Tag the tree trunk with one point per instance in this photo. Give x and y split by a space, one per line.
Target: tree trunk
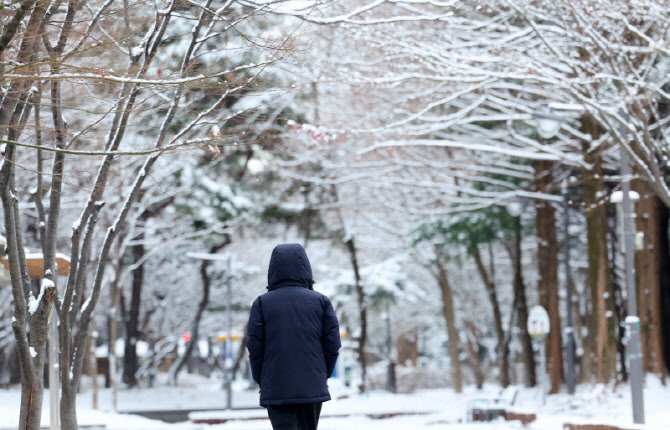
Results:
17 104
362 311
115 292
664 302
475 354
522 309
547 263
195 326
502 344
450 319
583 323
603 320
34 392
68 409
240 354
648 277
132 320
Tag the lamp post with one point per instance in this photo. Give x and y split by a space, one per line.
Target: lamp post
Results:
569 328
548 126
624 200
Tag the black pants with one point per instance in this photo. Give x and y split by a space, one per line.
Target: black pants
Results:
294 417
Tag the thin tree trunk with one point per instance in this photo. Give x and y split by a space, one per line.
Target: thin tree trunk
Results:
502 345
362 312
240 354
132 317
528 354
115 292
14 111
475 354
195 326
450 319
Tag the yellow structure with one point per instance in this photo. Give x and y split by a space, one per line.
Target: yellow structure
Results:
36 264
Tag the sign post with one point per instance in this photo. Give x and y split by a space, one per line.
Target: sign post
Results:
538 328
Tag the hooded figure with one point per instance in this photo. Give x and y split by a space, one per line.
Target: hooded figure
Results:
293 336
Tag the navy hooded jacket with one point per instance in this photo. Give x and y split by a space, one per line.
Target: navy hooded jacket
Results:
293 333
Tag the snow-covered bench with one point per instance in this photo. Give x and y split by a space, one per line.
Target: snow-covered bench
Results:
492 407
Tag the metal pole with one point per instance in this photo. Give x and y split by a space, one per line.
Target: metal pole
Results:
389 343
543 370
633 345
570 328
229 341
54 380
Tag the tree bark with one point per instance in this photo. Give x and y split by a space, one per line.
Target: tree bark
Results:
240 354
603 321
115 293
362 312
475 354
648 277
547 264
664 302
502 344
132 319
522 309
14 111
450 319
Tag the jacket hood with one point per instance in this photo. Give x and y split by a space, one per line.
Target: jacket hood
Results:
289 265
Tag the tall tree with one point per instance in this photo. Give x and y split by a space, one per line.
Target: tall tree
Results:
521 305
603 321
449 314
547 266
648 273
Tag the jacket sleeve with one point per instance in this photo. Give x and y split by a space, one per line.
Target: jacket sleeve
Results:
330 337
256 340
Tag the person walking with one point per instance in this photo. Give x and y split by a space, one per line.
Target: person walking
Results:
293 342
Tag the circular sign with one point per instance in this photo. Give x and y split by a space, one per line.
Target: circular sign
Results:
538 322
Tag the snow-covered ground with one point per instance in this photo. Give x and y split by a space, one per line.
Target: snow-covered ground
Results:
438 409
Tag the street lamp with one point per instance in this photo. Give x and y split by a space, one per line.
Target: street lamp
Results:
624 200
514 208
548 126
547 129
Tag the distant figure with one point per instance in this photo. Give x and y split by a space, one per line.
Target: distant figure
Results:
294 339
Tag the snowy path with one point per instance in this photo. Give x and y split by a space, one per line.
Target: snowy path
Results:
432 409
